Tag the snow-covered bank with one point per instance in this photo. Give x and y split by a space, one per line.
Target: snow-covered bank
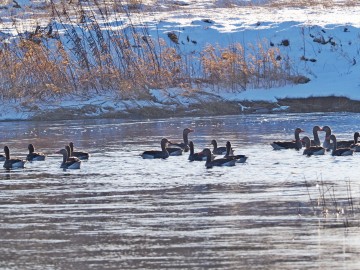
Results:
322 44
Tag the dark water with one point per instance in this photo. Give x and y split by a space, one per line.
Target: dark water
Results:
280 210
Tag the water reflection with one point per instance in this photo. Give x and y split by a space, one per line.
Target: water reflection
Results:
279 210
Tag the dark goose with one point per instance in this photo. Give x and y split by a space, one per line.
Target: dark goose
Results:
163 153
12 163
34 156
200 156
238 158
217 162
79 154
312 150
185 144
279 145
68 163
339 151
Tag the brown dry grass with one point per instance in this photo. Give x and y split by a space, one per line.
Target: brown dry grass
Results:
129 63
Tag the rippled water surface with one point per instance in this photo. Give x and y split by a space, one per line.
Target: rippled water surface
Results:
279 210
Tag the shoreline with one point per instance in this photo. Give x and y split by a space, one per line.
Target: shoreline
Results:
202 108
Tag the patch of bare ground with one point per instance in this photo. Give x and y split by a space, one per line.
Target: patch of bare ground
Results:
320 104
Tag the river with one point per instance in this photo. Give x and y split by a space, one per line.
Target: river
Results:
279 210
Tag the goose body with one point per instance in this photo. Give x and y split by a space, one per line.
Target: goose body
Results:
174 151
312 150
185 144
163 153
68 163
238 158
34 156
12 163
217 162
339 151
79 154
279 145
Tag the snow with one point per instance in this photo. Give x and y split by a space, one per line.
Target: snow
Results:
335 68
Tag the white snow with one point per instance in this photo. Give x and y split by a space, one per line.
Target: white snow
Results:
335 70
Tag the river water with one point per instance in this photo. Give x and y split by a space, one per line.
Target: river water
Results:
279 210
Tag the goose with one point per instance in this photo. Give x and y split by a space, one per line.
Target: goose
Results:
79 154
34 156
312 150
220 150
340 144
196 156
185 144
339 151
12 163
356 145
279 145
217 162
238 158
327 144
157 153
70 157
68 163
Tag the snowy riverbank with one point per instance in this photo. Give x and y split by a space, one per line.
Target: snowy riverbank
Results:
322 44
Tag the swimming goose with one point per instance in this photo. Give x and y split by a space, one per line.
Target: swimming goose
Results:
68 163
279 145
356 145
312 150
339 151
157 153
340 144
185 144
200 156
78 154
12 163
220 150
238 158
217 162
70 157
34 156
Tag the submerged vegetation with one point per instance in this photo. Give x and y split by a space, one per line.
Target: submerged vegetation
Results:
85 51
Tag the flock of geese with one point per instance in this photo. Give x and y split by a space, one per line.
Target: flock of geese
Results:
72 159
169 148
314 147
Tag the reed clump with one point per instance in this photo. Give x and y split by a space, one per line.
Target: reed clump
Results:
335 204
93 54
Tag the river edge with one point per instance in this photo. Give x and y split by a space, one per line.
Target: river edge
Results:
201 108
